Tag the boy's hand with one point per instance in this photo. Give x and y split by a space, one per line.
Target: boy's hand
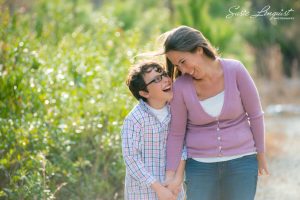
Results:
161 192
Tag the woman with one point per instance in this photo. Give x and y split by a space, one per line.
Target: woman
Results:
216 109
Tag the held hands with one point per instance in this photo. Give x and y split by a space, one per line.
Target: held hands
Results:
161 192
165 194
262 164
173 185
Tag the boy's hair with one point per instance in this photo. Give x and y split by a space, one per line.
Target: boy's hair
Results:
135 80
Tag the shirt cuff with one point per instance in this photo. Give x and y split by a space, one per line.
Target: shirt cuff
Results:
184 157
150 181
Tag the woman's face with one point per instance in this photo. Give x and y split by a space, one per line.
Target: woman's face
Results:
188 63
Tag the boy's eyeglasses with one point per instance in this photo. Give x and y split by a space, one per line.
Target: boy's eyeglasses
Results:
158 78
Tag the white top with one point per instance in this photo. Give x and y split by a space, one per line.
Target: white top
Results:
161 114
213 106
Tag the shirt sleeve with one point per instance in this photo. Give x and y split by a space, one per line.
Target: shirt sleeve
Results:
184 152
177 129
131 147
252 106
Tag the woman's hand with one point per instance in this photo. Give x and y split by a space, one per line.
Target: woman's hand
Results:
169 182
262 164
172 185
170 175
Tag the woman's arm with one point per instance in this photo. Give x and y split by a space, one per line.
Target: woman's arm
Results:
177 128
170 174
251 103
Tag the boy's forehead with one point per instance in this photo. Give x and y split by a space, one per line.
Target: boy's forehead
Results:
151 73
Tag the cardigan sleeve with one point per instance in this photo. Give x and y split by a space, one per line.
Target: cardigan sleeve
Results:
252 106
177 128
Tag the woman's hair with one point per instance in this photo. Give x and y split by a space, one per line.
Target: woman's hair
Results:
186 39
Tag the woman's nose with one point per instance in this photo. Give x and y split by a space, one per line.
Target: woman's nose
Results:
183 70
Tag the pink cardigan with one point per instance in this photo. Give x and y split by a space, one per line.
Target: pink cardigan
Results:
207 136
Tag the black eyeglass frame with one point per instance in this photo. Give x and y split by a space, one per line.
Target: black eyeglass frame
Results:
158 78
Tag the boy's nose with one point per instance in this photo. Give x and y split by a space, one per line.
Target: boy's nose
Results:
164 79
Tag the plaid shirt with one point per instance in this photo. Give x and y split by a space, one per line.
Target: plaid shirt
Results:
144 152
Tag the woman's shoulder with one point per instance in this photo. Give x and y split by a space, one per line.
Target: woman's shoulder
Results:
181 80
232 64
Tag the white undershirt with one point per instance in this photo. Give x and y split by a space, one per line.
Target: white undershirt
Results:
213 106
161 114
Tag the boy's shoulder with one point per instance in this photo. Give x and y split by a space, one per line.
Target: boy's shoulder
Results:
137 114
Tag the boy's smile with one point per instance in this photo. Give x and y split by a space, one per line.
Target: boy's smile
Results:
167 88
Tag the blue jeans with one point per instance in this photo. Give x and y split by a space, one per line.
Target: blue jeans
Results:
230 180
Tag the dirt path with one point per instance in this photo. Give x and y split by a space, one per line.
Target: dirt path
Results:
283 158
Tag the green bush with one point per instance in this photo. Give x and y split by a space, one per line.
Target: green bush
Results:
62 102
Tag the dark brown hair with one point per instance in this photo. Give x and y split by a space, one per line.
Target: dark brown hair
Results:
135 80
186 39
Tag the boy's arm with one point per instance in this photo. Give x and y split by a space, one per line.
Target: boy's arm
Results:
131 147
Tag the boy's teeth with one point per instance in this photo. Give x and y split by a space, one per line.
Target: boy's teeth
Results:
167 88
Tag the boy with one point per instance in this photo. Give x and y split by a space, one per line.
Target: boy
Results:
144 135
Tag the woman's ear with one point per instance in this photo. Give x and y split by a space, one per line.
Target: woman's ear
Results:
144 94
200 50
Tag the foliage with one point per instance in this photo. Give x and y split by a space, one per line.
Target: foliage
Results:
151 17
268 34
62 102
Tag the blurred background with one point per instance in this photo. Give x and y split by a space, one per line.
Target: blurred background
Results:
63 97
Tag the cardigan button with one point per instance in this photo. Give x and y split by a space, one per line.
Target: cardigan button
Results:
220 147
218 129
219 138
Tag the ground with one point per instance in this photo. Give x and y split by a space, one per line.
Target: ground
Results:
283 159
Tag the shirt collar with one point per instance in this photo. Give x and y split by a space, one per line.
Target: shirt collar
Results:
146 108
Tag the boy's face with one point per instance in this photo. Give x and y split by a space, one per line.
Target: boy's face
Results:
159 92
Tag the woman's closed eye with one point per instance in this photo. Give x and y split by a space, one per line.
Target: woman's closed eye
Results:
182 62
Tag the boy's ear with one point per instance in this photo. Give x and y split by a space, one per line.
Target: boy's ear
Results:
144 94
